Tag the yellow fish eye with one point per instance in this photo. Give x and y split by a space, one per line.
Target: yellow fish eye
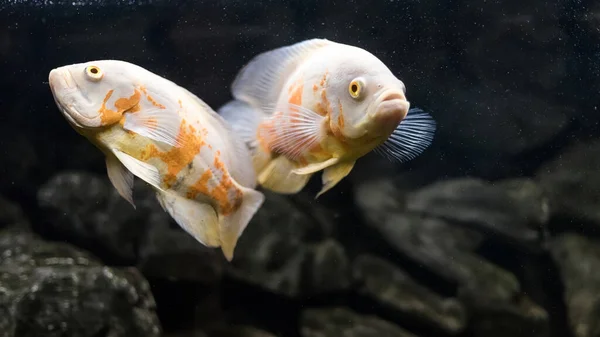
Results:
93 73
355 88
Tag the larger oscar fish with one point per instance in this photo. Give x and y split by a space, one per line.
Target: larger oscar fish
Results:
151 128
320 105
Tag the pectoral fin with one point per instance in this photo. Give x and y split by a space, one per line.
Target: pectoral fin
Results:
144 171
334 174
410 138
157 124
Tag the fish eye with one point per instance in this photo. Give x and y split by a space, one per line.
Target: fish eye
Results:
355 88
93 73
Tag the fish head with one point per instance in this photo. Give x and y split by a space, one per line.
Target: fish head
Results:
371 100
95 94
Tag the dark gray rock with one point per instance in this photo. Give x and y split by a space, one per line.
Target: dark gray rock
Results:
448 251
232 331
399 292
513 209
86 209
572 181
54 289
578 259
238 331
334 322
286 249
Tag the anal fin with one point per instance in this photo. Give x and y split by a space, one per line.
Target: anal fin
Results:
278 176
120 177
334 174
198 219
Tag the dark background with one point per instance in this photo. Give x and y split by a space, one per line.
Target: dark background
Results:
491 232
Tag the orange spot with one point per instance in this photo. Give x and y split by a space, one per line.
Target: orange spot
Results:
201 185
324 79
180 104
221 192
150 99
315 88
295 93
340 114
178 157
109 117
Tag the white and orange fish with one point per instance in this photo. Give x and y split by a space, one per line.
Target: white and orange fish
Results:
320 105
151 128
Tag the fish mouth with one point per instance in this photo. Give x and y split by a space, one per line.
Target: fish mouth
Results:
66 93
391 108
385 113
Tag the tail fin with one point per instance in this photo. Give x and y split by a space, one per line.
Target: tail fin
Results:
233 225
198 219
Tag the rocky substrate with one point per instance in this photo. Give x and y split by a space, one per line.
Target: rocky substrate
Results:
493 232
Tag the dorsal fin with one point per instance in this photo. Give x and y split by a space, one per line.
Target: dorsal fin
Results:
261 80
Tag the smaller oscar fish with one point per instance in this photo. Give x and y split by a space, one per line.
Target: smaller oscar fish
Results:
153 129
320 105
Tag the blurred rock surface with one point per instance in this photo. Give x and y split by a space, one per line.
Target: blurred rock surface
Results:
86 209
449 252
54 289
338 321
578 259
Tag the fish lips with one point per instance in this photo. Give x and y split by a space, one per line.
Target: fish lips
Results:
65 91
390 109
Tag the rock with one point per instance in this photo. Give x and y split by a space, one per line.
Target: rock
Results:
239 331
286 249
54 289
513 209
397 291
86 209
448 253
235 331
339 321
578 259
572 183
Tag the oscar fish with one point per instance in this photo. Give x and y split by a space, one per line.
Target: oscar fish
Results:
319 105
153 129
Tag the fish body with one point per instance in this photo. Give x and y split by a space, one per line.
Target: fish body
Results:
320 105
151 128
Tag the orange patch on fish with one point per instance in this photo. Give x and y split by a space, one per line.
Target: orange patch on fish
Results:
177 158
226 202
108 116
324 106
295 93
340 114
150 99
201 185
324 79
221 191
